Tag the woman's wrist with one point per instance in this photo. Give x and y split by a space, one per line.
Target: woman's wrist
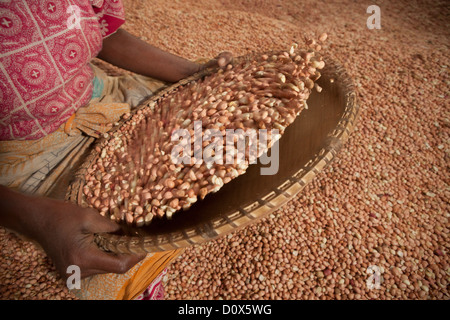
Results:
191 68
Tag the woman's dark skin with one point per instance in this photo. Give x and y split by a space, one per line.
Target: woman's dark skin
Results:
64 230
128 52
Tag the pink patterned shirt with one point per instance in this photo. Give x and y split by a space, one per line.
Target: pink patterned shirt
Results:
45 50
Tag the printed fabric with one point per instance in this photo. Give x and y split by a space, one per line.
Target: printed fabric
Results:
45 50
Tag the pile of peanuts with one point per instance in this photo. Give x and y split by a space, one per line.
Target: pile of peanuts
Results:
26 272
135 179
383 200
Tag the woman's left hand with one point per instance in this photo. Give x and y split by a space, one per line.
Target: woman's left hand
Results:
221 61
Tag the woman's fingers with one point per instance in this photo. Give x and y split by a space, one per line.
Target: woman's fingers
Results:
95 223
105 262
98 260
224 59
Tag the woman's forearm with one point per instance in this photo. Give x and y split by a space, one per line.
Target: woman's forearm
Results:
130 53
16 212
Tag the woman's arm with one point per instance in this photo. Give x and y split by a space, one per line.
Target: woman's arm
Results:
65 231
130 53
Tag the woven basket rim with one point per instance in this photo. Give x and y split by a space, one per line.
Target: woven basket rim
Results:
247 213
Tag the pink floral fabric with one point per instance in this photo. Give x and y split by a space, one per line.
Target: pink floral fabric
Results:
45 50
155 291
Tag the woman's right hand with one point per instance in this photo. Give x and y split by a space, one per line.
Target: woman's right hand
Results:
65 231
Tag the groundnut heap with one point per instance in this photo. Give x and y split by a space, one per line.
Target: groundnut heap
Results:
135 177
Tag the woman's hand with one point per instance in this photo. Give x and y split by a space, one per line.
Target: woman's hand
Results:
221 61
65 231
71 240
